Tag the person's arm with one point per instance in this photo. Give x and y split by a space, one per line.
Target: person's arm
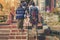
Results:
30 10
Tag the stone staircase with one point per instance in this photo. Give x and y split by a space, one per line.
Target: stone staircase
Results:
17 34
4 34
32 35
11 32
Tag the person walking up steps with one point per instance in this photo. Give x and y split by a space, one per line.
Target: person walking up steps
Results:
20 11
33 10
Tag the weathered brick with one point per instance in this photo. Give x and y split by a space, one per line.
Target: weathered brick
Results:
25 30
5 27
11 37
23 33
30 37
3 37
12 34
13 26
22 30
14 30
4 30
23 37
18 37
4 34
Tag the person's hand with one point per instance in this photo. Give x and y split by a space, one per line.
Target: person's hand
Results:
25 15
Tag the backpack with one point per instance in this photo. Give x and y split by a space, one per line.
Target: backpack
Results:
34 11
34 14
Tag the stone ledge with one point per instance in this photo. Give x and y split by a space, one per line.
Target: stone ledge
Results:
23 37
14 30
11 37
18 37
3 37
4 34
25 30
6 27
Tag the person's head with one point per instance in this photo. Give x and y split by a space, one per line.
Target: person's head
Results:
33 4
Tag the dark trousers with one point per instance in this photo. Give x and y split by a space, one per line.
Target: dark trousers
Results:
20 23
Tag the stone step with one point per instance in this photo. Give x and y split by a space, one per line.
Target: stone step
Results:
7 36
32 38
19 30
17 39
21 37
14 21
13 34
4 36
19 34
4 31
4 23
3 39
25 30
13 37
8 27
14 30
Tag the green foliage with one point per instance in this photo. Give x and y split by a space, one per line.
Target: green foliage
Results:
4 18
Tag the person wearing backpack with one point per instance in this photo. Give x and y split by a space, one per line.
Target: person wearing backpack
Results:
33 10
20 12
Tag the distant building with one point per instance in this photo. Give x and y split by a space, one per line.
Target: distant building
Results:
44 3
41 3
